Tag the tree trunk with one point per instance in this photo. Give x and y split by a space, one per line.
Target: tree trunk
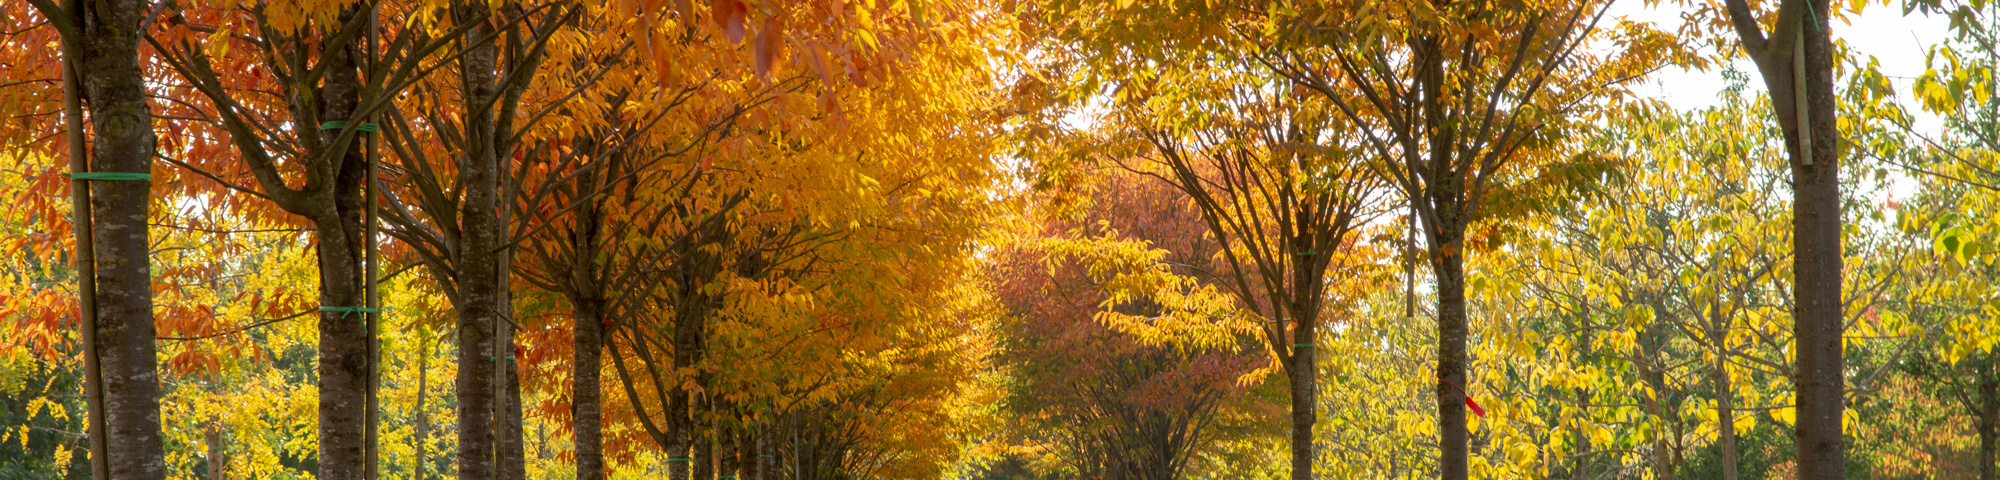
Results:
341 251
1725 397
585 408
678 425
1817 269
703 460
423 418
1813 144
1989 419
725 453
1304 398
513 447
767 457
1443 191
212 439
109 72
1453 436
478 278
1581 465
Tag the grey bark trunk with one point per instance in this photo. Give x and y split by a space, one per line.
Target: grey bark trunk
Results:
513 446
112 82
585 407
704 453
478 278
341 251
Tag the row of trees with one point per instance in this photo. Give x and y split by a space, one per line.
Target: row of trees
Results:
1644 261
745 240
756 212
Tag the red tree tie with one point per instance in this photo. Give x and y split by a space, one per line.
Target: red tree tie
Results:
1468 398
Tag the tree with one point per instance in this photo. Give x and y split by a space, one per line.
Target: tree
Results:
1793 50
325 69
99 40
1113 405
1455 101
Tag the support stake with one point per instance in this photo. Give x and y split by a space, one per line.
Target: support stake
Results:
86 256
1799 92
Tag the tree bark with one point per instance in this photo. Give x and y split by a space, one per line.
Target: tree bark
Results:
1305 399
106 45
767 457
513 446
212 439
423 417
478 278
1453 435
1817 266
586 411
1816 219
1725 397
1989 419
703 460
341 252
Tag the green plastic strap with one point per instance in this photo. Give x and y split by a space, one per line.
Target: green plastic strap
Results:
767 456
1301 345
678 459
344 311
1307 253
510 358
339 124
732 476
117 176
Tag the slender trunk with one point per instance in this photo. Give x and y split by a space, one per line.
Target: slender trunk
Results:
212 439
1659 407
743 455
1817 269
419 443
704 450
114 85
1989 419
478 280
1444 192
691 312
1452 332
1725 397
1580 467
85 257
725 453
1800 81
513 447
678 425
343 346
341 253
585 409
1305 399
767 456
512 443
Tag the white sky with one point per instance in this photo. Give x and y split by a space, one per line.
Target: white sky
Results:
1899 43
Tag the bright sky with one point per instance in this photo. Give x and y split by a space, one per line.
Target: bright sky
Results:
1897 42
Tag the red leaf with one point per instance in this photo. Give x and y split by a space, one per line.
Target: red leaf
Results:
767 47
